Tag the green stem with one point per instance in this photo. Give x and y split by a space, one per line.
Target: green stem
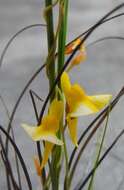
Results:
51 55
90 187
62 34
50 40
66 184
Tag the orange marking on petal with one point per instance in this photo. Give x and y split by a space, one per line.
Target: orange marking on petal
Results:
37 166
70 48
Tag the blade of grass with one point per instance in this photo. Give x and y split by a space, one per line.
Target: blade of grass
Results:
43 176
43 25
14 37
104 39
36 95
99 150
19 157
7 175
11 184
19 100
33 102
16 106
81 185
104 21
13 137
8 165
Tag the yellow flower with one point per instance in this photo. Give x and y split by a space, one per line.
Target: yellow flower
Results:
71 47
79 104
47 129
81 55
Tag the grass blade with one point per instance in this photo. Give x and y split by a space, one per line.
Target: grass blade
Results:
90 187
19 157
81 185
19 100
14 37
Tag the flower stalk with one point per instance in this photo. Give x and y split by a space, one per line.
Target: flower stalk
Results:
50 42
63 8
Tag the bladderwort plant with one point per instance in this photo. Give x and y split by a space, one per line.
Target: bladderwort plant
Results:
64 104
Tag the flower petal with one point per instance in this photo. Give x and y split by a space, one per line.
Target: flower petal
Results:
72 126
100 101
65 83
84 108
56 109
33 131
50 123
47 151
80 57
36 133
52 138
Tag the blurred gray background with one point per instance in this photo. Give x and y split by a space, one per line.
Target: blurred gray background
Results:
103 72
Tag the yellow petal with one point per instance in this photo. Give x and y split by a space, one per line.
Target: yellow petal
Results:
85 107
52 138
36 133
80 57
72 126
76 94
83 49
90 105
47 151
100 101
50 123
56 109
65 83
33 131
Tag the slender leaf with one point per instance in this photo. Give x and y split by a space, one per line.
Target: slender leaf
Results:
82 184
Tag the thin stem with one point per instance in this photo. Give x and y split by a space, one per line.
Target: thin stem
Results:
99 153
66 161
16 159
19 100
14 37
19 157
63 6
8 165
50 41
82 184
43 176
